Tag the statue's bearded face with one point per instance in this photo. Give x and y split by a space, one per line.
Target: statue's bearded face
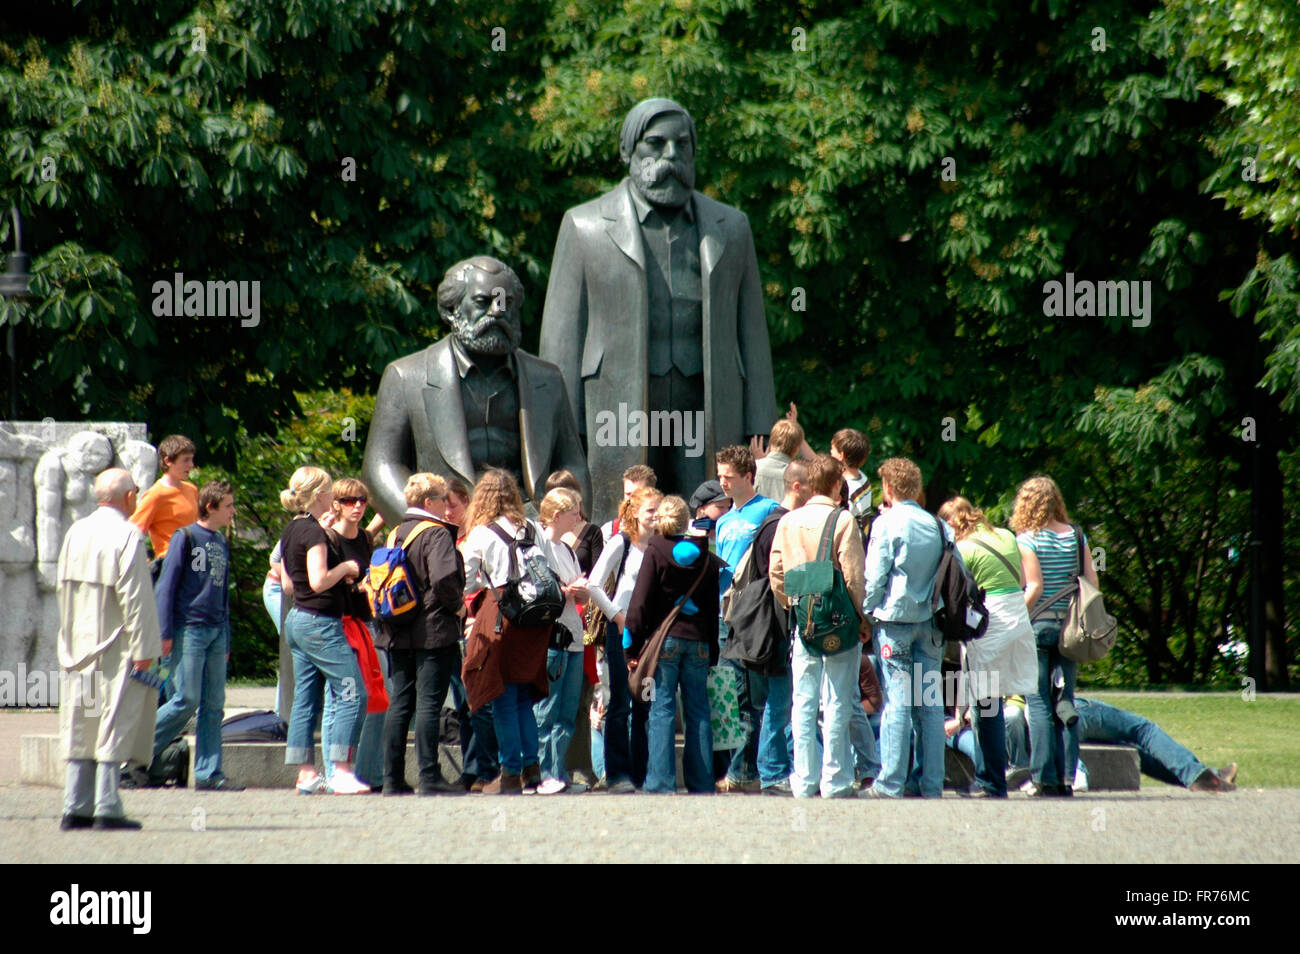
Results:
487 319
662 167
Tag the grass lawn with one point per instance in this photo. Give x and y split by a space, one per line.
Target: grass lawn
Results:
1262 737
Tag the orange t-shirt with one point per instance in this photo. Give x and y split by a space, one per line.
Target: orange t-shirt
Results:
163 510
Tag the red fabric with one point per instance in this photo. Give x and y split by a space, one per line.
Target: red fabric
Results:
493 659
372 677
589 665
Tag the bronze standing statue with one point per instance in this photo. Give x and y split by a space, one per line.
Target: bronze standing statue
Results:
472 401
655 304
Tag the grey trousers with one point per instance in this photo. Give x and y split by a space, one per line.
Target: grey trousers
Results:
92 785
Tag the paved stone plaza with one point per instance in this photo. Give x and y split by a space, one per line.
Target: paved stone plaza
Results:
1153 826
1158 824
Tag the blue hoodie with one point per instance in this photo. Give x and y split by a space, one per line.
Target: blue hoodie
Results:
193 589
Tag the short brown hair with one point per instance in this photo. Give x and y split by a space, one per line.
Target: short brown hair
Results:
825 474
172 446
642 474
903 477
420 487
796 472
786 437
566 479
738 457
211 495
853 445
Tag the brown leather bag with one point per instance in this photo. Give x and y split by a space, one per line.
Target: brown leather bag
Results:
640 681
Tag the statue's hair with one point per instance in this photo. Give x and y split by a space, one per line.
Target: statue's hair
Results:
451 291
641 116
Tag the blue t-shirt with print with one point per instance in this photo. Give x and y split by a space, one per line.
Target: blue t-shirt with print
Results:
735 532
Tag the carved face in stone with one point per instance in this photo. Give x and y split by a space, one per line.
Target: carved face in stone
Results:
89 453
486 322
662 166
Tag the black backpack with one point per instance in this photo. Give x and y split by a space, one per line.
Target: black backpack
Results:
171 767
957 603
534 597
758 623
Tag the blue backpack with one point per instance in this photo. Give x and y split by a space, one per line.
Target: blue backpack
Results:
389 585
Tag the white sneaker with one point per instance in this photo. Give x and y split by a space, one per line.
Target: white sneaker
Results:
551 786
345 783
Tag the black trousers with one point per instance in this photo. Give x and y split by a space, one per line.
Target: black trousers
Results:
419 681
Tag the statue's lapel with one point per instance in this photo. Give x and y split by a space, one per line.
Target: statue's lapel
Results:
709 217
446 413
535 416
621 223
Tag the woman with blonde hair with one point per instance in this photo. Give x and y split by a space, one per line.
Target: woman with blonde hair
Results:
1054 554
313 630
622 742
677 571
560 512
1004 662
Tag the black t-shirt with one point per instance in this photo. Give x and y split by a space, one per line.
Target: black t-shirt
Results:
589 544
358 548
301 535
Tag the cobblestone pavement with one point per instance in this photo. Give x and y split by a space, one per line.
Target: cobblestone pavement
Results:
1155 825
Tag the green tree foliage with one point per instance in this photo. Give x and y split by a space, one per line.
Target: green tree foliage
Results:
216 140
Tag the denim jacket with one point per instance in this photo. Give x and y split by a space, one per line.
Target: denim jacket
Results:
902 562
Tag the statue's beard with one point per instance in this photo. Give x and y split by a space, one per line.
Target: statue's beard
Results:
489 336
665 181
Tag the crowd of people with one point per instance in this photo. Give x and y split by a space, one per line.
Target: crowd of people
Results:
535 621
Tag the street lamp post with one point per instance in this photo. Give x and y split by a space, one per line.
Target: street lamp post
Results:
14 284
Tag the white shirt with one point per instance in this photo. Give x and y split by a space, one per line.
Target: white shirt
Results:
607 564
487 561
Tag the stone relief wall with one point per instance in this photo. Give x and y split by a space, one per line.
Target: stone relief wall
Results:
47 473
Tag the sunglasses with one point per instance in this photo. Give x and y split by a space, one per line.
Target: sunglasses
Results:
351 501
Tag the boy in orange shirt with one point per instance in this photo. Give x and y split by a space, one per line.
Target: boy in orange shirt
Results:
172 502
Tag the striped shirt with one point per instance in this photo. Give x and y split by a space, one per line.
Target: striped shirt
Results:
1058 555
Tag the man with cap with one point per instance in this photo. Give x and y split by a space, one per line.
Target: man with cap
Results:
647 281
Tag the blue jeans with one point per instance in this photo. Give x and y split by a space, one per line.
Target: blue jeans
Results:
516 727
911 653
320 652
866 754
1017 734
831 684
557 714
478 738
990 756
1053 749
198 664
684 662
370 747
775 758
618 717
1161 757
